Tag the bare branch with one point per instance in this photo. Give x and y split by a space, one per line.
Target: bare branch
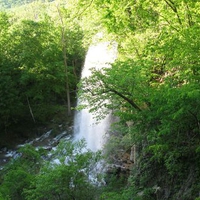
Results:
173 7
131 102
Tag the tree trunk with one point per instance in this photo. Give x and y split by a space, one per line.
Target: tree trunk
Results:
63 43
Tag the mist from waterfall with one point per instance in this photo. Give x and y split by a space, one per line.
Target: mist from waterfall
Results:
85 126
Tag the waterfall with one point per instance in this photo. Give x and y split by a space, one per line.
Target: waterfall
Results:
85 126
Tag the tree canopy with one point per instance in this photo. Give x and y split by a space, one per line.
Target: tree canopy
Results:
155 84
40 67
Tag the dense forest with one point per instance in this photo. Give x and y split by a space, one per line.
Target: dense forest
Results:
41 61
153 89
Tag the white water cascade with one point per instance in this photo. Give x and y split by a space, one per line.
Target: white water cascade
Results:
85 126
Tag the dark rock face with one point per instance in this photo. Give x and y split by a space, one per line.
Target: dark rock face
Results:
121 167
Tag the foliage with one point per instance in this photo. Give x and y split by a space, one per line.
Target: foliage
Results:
6 4
66 176
70 175
19 173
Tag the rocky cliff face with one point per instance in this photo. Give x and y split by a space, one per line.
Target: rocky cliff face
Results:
121 166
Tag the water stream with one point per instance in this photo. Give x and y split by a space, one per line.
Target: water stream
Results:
47 141
85 125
